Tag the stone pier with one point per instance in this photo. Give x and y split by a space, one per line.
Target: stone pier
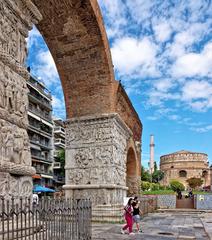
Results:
96 151
16 19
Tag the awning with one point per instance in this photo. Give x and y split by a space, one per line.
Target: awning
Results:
46 176
36 176
42 189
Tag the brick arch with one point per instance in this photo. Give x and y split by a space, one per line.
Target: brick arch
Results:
75 34
132 172
131 162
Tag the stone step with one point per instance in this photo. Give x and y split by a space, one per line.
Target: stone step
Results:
183 211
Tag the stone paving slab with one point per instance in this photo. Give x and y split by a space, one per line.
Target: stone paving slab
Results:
160 226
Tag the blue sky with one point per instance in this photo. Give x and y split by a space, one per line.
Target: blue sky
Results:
162 52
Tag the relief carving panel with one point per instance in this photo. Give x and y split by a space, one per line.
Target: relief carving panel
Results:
86 134
12 185
14 149
13 97
96 151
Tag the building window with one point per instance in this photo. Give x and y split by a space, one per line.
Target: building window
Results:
204 173
182 173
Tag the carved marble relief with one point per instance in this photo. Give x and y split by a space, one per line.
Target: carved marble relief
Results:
13 97
85 134
15 186
96 152
14 144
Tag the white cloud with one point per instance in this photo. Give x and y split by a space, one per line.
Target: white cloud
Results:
46 69
133 56
58 105
196 89
202 129
162 31
115 10
198 95
193 64
163 85
33 37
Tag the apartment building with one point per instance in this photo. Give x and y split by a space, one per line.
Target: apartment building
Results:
40 131
59 149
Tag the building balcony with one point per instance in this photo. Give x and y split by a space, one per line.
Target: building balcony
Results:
59 179
59 130
40 101
37 129
41 144
56 165
37 85
42 170
41 114
56 152
41 158
59 143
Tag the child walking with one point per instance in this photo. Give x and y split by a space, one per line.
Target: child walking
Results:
128 211
136 214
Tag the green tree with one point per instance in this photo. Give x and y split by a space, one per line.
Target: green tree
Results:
157 176
145 176
194 182
61 159
155 167
176 186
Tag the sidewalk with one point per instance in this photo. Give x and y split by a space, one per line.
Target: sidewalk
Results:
163 226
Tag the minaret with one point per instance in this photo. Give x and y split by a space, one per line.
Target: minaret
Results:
151 162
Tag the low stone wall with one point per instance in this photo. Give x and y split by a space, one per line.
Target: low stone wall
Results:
148 203
204 201
166 201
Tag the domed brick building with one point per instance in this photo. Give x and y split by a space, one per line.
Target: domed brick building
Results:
183 164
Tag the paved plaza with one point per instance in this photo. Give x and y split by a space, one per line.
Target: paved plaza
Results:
168 225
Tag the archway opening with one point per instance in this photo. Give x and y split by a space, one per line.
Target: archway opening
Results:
131 176
182 173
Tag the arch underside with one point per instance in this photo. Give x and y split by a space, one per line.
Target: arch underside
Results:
132 177
75 35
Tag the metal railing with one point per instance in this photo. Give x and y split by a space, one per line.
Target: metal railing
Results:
49 220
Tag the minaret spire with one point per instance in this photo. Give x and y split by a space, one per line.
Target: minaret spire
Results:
152 161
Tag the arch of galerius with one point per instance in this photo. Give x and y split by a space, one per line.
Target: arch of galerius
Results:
101 122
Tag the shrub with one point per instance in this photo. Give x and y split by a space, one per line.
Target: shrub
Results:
154 186
176 186
145 186
161 187
194 182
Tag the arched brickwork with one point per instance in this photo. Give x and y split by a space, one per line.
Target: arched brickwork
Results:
102 123
75 35
132 172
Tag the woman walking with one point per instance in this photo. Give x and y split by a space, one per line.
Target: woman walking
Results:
128 211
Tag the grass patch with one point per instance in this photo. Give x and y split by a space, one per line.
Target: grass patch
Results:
158 192
163 192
